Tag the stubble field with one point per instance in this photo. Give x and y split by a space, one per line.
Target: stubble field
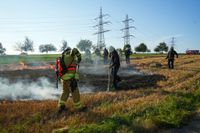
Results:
159 99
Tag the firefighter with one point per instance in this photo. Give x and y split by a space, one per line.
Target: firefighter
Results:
105 56
72 58
114 66
170 57
127 52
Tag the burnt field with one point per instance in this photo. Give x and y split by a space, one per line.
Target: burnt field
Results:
151 97
92 78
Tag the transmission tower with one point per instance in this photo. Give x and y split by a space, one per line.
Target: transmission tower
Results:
101 31
173 42
127 34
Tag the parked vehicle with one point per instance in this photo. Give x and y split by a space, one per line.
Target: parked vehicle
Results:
192 52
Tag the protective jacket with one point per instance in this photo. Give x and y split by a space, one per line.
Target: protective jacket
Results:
115 65
105 53
115 61
171 54
71 61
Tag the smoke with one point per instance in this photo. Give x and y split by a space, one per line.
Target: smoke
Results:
126 70
40 90
94 78
100 69
96 67
86 89
92 69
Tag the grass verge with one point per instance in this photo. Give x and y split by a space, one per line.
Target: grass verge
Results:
174 111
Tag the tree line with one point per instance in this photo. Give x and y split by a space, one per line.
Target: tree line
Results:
83 45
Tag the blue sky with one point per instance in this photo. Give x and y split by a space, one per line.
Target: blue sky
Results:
51 21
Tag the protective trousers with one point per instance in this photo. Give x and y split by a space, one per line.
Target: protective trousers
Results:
127 59
105 59
115 77
67 89
171 63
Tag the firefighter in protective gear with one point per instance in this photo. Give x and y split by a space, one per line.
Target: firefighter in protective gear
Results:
105 56
69 80
127 52
170 57
114 65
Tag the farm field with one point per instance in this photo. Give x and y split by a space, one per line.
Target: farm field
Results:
158 100
10 59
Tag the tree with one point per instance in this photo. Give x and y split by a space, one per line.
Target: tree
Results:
18 47
64 45
97 52
148 50
156 49
2 49
84 45
46 48
141 48
162 47
24 47
28 45
127 46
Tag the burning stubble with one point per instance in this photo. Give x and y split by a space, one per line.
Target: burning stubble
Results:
36 81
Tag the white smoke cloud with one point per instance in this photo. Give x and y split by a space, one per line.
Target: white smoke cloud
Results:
40 90
124 70
96 70
43 89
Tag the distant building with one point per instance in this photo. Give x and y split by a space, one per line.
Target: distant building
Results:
192 52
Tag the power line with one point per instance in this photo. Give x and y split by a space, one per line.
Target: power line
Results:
101 31
127 34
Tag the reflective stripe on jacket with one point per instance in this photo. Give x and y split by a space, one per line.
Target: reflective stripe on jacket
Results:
71 63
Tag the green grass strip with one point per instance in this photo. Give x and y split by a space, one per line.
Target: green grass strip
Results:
174 111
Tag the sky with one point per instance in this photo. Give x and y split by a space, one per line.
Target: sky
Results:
51 21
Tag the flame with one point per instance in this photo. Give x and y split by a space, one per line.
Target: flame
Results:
51 66
23 65
30 67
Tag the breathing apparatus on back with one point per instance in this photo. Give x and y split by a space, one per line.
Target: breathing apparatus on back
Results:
60 67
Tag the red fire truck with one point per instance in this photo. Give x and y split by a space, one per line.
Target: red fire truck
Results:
192 52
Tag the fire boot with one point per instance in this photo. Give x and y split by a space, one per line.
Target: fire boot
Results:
79 107
82 109
61 109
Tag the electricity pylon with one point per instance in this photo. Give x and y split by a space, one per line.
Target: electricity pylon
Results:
127 34
173 42
101 31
